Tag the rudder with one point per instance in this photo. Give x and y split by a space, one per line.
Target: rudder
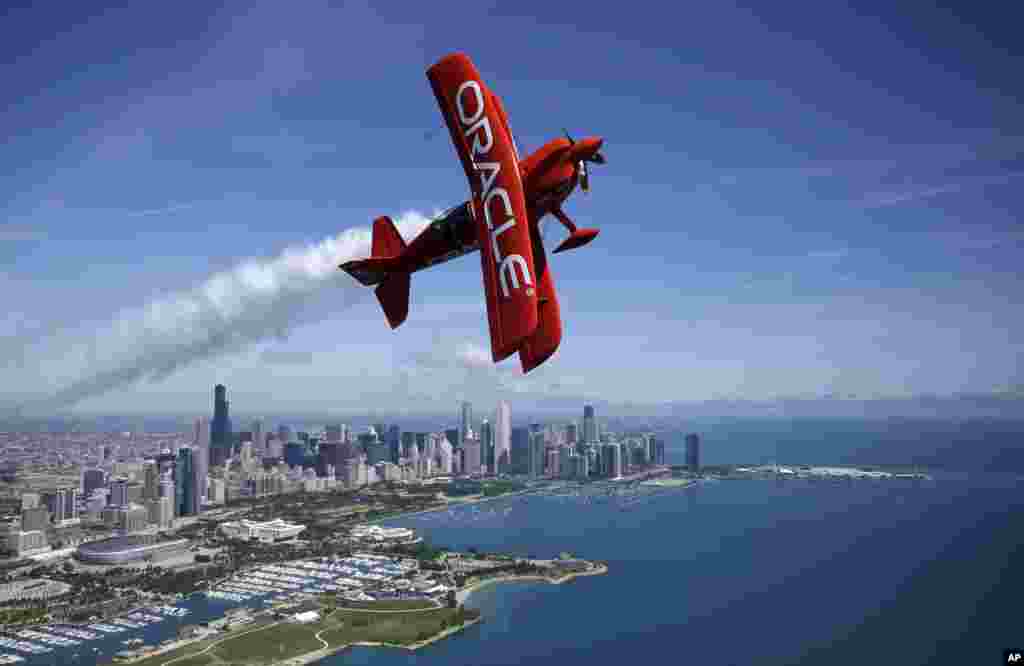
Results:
387 242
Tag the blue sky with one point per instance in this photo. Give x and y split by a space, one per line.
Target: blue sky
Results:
798 200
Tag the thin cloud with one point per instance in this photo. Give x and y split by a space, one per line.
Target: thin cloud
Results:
827 254
173 208
881 200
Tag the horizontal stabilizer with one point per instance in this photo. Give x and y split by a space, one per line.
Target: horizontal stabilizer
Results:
371 271
576 239
393 294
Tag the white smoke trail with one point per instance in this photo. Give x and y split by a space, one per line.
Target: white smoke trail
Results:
257 300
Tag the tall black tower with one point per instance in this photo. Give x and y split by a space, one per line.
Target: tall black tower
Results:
693 452
220 427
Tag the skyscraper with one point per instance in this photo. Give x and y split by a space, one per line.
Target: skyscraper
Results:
520 451
333 432
186 491
693 452
502 438
394 442
466 424
150 480
570 434
487 447
536 452
220 428
589 425
204 435
471 449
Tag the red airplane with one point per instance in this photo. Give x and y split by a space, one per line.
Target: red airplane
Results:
501 220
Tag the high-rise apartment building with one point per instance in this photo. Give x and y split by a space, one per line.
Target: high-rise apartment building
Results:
520 451
536 452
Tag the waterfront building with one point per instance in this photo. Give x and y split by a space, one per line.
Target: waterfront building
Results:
487 448
536 452
565 462
624 457
520 451
394 442
471 463
589 425
553 463
266 532
693 452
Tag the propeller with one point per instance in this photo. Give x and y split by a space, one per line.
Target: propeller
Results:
581 167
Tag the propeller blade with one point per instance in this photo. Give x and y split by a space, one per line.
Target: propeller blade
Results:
584 177
572 141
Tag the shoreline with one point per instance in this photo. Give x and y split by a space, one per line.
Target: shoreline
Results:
464 594
452 503
323 653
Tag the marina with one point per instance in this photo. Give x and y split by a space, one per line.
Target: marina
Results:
48 638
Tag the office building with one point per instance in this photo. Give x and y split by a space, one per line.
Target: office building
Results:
160 512
536 452
503 438
30 500
203 439
394 442
570 434
91 480
62 504
611 461
35 519
118 492
332 433
471 456
520 451
220 427
186 491
589 425
487 447
693 452
466 421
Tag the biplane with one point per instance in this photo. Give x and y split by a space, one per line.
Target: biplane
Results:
501 220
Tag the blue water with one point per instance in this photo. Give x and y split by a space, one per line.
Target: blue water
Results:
749 572
739 572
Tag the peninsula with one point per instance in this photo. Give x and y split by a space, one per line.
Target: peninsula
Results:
306 628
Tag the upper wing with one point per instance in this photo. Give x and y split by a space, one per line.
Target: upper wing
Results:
478 129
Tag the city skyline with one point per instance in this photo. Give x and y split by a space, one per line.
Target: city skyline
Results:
795 215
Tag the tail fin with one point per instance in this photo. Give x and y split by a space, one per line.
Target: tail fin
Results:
387 242
382 268
393 294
